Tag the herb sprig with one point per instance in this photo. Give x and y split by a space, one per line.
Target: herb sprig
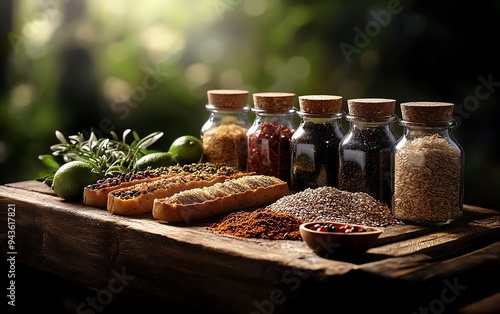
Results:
108 156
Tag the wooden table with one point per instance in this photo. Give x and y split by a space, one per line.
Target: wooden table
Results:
165 268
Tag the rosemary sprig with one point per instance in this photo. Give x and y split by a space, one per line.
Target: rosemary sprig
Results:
108 156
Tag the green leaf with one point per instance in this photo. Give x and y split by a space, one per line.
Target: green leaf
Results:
125 133
49 161
149 140
61 137
45 177
108 156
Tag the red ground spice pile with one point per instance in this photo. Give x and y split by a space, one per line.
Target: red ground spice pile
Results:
261 224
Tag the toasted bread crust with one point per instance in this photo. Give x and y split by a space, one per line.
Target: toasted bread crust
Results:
97 194
99 197
139 198
220 198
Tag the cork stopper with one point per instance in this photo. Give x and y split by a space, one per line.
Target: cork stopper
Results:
371 108
427 112
320 103
273 101
227 98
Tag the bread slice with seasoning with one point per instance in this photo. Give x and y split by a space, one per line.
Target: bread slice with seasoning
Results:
97 194
220 198
139 198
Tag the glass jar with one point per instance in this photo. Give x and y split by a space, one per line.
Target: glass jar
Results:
427 165
315 143
224 133
270 134
364 151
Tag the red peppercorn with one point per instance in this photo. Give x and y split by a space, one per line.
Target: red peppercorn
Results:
340 228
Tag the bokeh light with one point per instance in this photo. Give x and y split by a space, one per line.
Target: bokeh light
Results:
69 64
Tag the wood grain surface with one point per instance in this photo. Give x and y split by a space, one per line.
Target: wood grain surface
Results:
187 267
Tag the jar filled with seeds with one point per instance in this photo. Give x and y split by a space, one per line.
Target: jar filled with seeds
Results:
364 151
270 134
315 143
224 133
427 166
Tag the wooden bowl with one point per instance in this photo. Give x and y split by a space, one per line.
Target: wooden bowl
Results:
330 244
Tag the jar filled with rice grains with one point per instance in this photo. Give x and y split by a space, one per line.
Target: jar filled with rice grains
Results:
224 133
270 134
315 143
427 166
365 150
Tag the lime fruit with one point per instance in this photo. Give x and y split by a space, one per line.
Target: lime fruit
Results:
156 160
71 179
188 149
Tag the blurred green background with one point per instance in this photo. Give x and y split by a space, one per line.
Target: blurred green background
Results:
82 65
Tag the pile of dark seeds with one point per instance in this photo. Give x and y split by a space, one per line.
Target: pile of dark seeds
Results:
331 204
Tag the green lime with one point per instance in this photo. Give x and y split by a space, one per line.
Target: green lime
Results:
71 178
156 160
188 149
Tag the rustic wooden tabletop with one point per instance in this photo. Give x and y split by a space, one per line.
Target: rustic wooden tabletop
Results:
168 267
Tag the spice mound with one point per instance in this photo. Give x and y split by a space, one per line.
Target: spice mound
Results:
261 224
331 204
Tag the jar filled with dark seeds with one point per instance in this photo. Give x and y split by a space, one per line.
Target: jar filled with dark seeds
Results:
427 166
364 151
270 134
315 143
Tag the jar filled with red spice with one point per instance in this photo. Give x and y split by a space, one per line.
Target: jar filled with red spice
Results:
224 134
269 136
